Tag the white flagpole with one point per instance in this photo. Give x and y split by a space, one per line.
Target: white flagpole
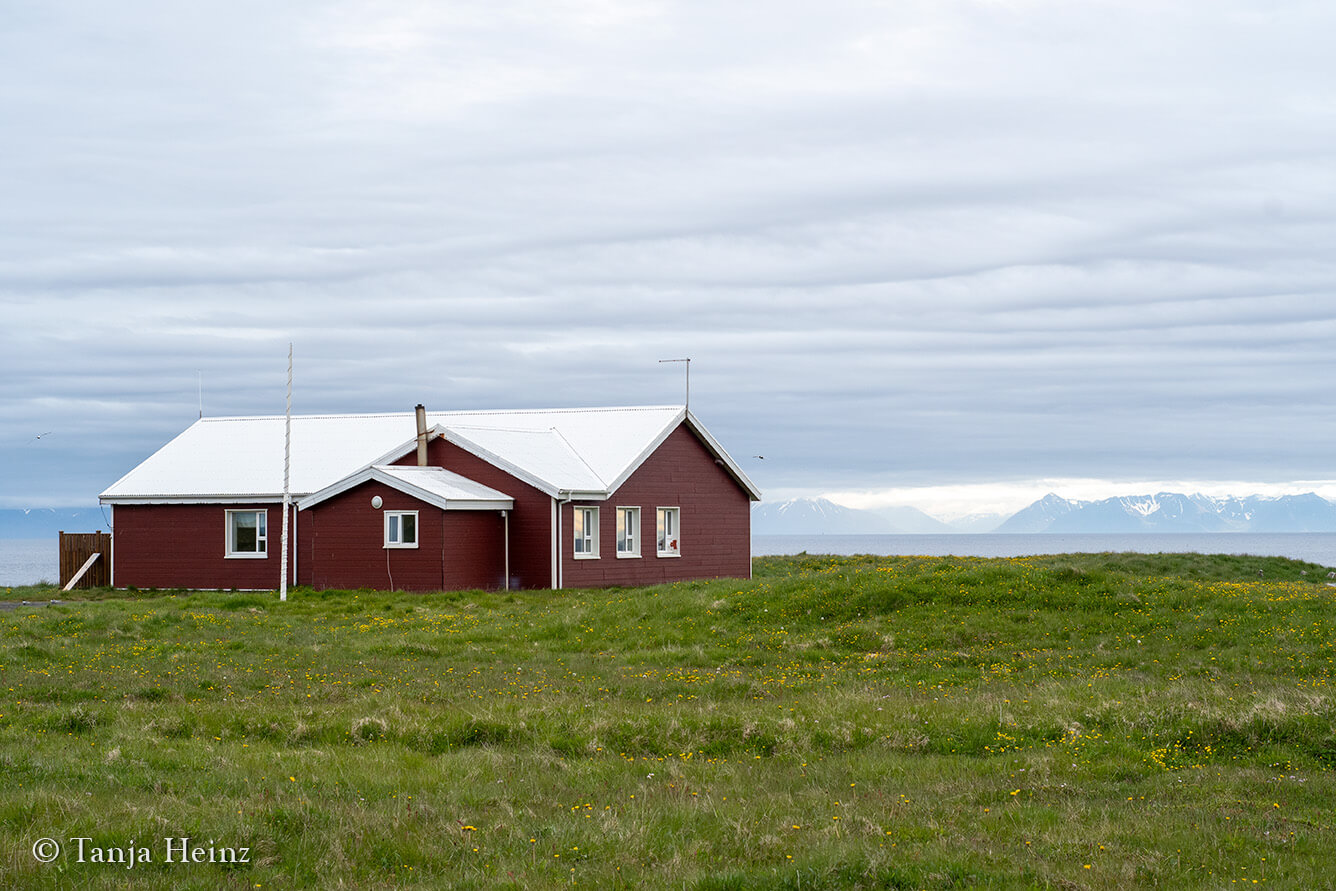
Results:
287 497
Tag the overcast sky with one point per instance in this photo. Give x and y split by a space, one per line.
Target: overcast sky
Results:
939 252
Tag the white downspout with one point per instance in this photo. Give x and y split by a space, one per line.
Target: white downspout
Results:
505 521
560 562
555 526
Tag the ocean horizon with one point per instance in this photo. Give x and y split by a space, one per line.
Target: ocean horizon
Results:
27 561
1311 547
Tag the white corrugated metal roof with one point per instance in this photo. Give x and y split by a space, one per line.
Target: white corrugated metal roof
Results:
540 457
434 485
580 450
243 457
443 483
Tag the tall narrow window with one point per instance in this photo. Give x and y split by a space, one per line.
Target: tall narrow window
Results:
586 532
669 531
628 532
401 529
247 534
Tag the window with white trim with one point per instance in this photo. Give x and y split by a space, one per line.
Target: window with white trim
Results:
585 526
401 529
247 533
669 522
628 532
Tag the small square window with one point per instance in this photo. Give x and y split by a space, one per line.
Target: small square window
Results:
586 532
670 533
628 532
401 529
247 533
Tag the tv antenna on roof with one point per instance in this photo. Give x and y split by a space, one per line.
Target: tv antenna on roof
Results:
687 403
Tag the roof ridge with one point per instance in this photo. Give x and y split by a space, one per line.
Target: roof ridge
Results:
453 411
502 429
549 411
401 414
580 457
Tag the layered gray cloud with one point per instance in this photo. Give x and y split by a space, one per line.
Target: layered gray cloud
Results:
905 244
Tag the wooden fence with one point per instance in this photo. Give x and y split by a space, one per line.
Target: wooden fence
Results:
76 548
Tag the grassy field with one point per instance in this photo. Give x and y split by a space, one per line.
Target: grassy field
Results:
1103 721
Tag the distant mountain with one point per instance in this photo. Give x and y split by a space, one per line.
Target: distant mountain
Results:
820 516
912 521
47 522
1040 516
1309 512
977 524
815 516
1173 512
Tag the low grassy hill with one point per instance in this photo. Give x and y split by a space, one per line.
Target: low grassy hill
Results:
1094 721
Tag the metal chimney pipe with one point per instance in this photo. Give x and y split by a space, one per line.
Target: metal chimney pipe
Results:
421 434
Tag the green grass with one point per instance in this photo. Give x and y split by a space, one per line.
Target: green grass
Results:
1082 721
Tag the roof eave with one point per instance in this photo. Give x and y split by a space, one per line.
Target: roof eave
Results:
583 495
486 504
721 453
264 498
653 446
376 474
712 444
468 445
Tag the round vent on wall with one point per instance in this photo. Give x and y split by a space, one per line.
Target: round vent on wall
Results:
376 502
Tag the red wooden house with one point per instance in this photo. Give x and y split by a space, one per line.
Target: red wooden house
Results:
431 501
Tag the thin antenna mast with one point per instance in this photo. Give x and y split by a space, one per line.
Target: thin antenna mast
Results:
201 393
687 403
287 495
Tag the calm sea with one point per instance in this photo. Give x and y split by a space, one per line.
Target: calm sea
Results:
1314 547
28 561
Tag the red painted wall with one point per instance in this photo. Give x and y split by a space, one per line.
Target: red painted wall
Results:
715 519
184 546
474 550
530 520
343 545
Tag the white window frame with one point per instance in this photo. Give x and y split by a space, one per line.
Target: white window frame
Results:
662 540
582 519
397 541
628 532
261 535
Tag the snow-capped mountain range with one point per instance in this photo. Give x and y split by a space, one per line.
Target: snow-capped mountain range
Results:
1162 512
1173 512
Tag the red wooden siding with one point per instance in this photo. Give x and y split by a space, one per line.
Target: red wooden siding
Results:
474 550
184 546
343 545
530 520
715 521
